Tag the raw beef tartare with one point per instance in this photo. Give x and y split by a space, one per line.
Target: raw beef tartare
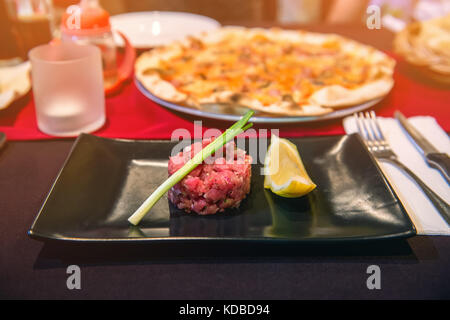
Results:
220 182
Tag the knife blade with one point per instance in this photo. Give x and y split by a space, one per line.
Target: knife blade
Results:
435 159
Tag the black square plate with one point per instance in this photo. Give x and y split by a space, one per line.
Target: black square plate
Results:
105 180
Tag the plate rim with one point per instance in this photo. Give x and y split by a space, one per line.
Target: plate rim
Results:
255 119
34 234
399 235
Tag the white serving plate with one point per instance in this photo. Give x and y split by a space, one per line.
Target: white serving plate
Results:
155 28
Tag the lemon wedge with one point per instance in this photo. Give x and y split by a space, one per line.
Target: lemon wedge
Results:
285 174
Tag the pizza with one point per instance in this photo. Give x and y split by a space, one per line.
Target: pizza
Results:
426 45
273 71
15 82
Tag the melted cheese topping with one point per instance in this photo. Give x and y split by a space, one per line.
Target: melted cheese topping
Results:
264 68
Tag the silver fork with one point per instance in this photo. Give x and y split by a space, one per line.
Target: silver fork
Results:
370 130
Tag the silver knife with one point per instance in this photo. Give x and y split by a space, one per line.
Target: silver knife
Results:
434 158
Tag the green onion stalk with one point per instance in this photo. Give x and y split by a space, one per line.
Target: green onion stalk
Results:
210 149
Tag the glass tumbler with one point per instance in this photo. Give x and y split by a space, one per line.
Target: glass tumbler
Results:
67 81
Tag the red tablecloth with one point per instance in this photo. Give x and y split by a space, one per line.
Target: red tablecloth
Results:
131 115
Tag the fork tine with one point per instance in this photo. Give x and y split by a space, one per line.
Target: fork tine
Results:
377 126
366 127
380 141
358 126
371 125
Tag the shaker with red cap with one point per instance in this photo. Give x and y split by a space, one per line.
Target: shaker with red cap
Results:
88 23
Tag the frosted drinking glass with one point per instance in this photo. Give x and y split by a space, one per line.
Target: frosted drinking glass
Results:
68 88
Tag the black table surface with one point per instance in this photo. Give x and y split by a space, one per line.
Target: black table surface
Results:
415 268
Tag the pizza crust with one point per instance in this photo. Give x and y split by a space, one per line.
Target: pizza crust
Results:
146 69
15 82
162 89
339 97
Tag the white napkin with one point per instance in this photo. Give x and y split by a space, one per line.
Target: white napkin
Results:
421 211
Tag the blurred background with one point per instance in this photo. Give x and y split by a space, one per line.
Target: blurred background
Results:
25 24
282 11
